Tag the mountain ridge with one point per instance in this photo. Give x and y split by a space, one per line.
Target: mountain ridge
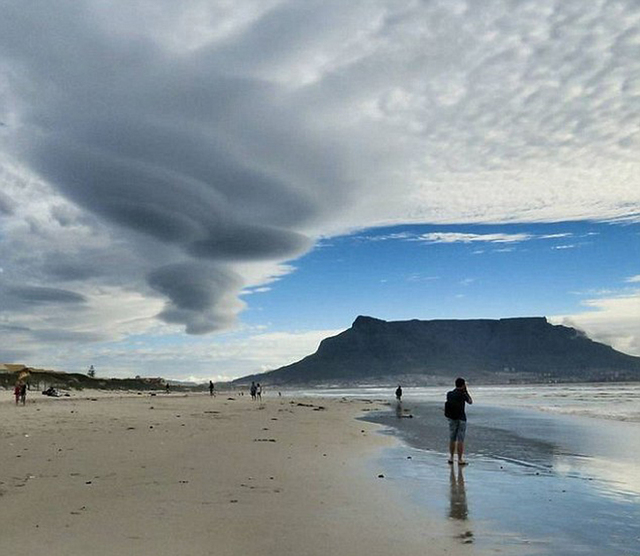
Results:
523 349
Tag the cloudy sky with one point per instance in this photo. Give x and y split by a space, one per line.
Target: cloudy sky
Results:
207 188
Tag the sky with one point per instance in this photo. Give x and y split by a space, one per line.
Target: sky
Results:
207 189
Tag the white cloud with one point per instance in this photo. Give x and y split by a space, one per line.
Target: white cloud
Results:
612 320
421 277
463 237
633 279
256 290
452 237
388 237
180 357
555 236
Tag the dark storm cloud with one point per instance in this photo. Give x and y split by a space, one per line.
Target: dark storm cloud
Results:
200 296
66 336
70 271
7 205
13 328
42 295
165 147
250 243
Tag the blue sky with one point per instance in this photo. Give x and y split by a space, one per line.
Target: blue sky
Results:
486 272
206 189
558 270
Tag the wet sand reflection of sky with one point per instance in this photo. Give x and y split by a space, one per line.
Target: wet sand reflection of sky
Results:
564 485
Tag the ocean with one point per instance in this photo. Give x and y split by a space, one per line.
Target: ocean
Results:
553 468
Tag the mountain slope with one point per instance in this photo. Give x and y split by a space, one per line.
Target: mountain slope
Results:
517 349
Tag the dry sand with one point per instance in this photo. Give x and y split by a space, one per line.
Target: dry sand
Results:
194 475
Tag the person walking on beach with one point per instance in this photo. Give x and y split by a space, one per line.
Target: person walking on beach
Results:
23 393
17 392
455 414
253 390
259 391
399 393
212 391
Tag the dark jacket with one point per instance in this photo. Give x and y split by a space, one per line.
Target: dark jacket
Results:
454 406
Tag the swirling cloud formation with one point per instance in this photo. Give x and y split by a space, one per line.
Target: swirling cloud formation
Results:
173 153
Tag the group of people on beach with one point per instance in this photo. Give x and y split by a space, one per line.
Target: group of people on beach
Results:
20 392
256 391
454 411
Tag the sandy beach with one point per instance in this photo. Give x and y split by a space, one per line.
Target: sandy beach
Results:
194 475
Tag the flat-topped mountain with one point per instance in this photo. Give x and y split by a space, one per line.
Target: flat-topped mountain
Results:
436 351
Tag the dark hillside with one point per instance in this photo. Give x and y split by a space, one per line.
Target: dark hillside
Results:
505 350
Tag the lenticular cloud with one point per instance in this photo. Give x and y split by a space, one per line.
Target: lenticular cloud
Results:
184 142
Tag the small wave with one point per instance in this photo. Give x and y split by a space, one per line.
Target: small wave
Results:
596 413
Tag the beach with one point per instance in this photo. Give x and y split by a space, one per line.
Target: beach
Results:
190 474
553 469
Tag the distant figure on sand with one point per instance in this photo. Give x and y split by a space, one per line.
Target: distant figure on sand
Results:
253 390
212 388
17 392
259 391
455 414
399 393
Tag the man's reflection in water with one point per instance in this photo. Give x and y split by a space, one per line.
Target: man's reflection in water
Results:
399 410
458 496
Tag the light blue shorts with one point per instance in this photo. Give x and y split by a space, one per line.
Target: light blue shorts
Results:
457 430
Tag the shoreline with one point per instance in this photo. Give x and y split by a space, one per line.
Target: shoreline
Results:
190 474
529 471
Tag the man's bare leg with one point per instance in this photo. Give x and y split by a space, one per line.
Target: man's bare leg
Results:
460 453
452 450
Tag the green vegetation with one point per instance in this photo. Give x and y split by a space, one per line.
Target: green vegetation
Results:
40 379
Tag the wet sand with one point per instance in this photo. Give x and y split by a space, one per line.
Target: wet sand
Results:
537 482
194 475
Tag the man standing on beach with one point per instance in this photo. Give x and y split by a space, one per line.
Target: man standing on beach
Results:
454 412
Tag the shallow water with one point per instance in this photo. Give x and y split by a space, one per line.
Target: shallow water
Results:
612 401
553 469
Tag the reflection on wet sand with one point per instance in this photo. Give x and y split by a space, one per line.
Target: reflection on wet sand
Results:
458 508
399 410
402 412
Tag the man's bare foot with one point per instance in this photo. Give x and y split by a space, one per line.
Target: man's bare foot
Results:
462 462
